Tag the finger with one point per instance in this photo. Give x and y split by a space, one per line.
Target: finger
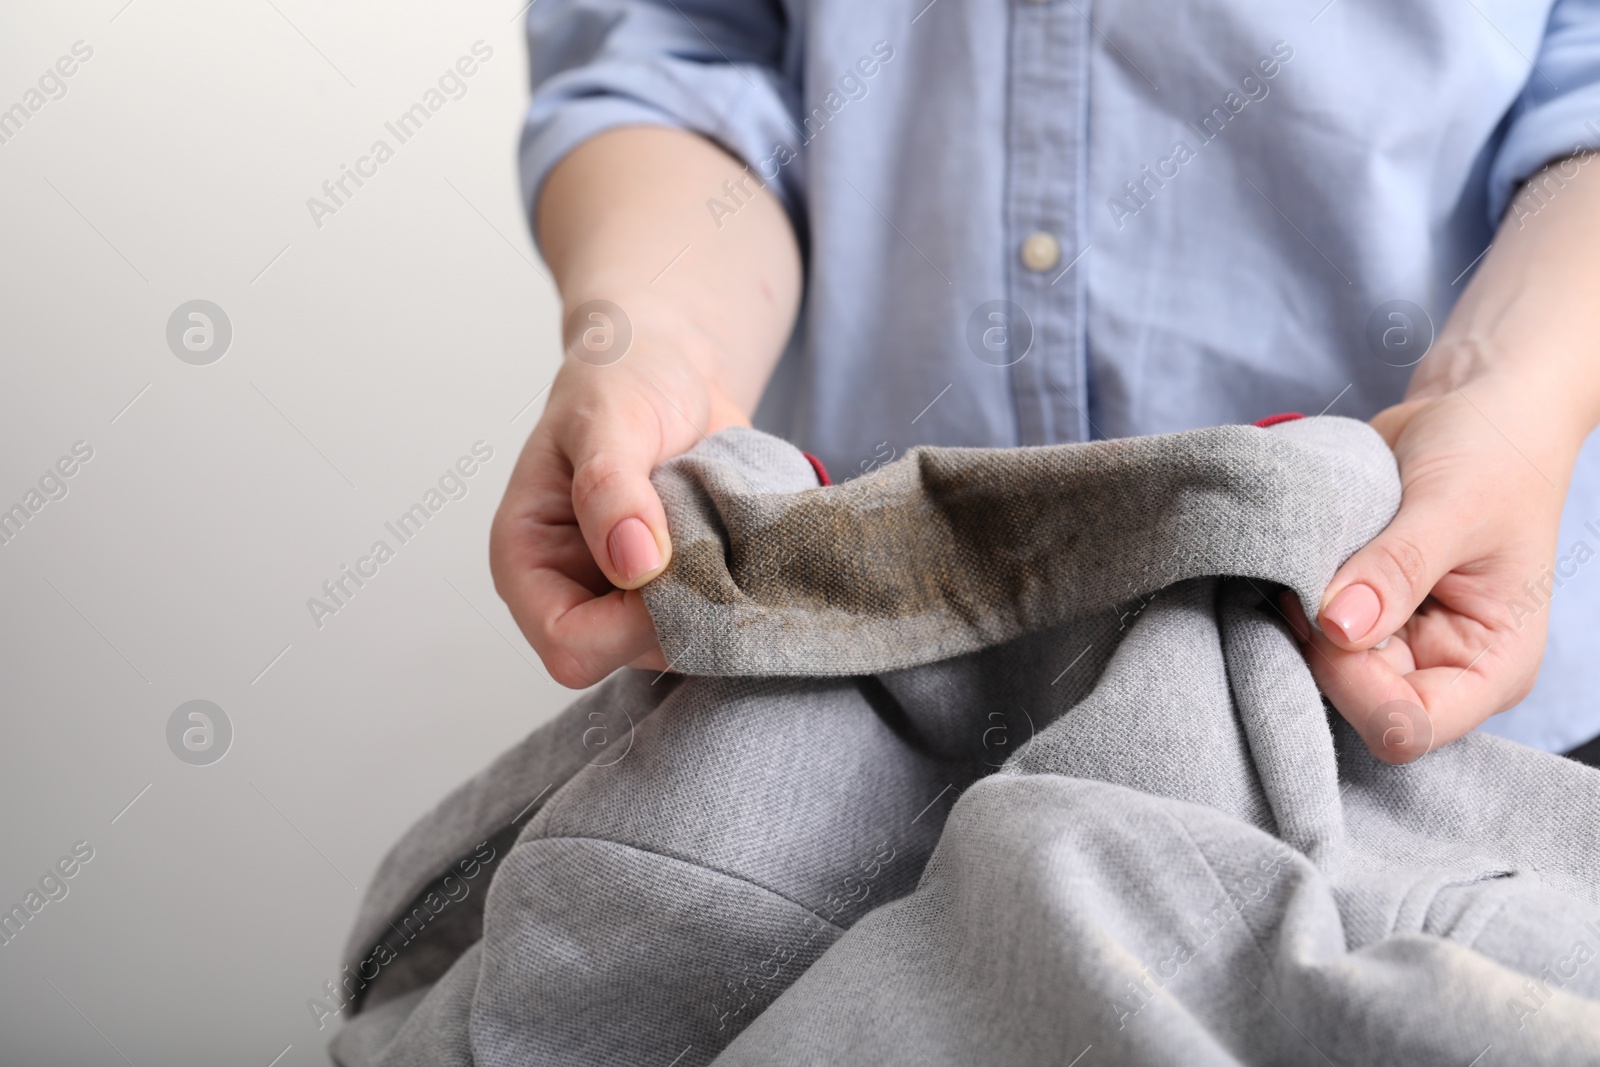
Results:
1379 587
574 618
1373 696
582 637
1396 652
612 450
534 525
1402 712
1459 698
654 660
1294 615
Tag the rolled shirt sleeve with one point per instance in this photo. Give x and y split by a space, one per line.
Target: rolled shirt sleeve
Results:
1558 113
714 67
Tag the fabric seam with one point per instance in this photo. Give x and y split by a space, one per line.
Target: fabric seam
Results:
683 862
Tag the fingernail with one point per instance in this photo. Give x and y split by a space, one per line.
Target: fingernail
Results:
633 550
1354 611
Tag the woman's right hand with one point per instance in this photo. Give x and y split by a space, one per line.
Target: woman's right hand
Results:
581 528
693 312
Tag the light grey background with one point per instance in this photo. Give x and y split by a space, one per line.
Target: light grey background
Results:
367 355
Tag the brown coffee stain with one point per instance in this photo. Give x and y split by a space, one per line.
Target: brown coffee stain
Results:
1004 540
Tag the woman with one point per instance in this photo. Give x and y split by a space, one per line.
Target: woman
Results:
1033 222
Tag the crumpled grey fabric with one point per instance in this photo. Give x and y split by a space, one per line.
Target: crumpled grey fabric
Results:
995 756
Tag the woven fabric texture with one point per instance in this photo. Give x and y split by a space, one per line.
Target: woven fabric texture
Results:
995 756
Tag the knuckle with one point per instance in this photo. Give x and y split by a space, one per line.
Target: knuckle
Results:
1405 564
1392 743
567 669
594 477
567 664
510 595
1397 756
1520 688
498 547
504 571
566 675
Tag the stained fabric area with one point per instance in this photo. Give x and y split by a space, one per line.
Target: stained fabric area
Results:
993 756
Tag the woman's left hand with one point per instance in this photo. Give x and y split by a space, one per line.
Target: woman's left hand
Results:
1440 621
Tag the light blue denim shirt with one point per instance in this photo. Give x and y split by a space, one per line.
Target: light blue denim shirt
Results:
1033 221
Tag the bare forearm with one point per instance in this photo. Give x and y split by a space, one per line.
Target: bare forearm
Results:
1528 326
624 218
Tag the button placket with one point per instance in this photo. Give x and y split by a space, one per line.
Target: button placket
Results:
1045 137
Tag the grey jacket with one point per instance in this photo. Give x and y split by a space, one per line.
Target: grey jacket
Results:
994 756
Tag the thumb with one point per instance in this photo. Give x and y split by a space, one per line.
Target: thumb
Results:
1378 588
623 522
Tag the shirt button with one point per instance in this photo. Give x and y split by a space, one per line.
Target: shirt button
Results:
1041 251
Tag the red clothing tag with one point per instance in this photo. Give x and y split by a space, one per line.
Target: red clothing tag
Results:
822 472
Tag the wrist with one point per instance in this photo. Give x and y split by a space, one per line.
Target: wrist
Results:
654 339
657 327
1533 400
